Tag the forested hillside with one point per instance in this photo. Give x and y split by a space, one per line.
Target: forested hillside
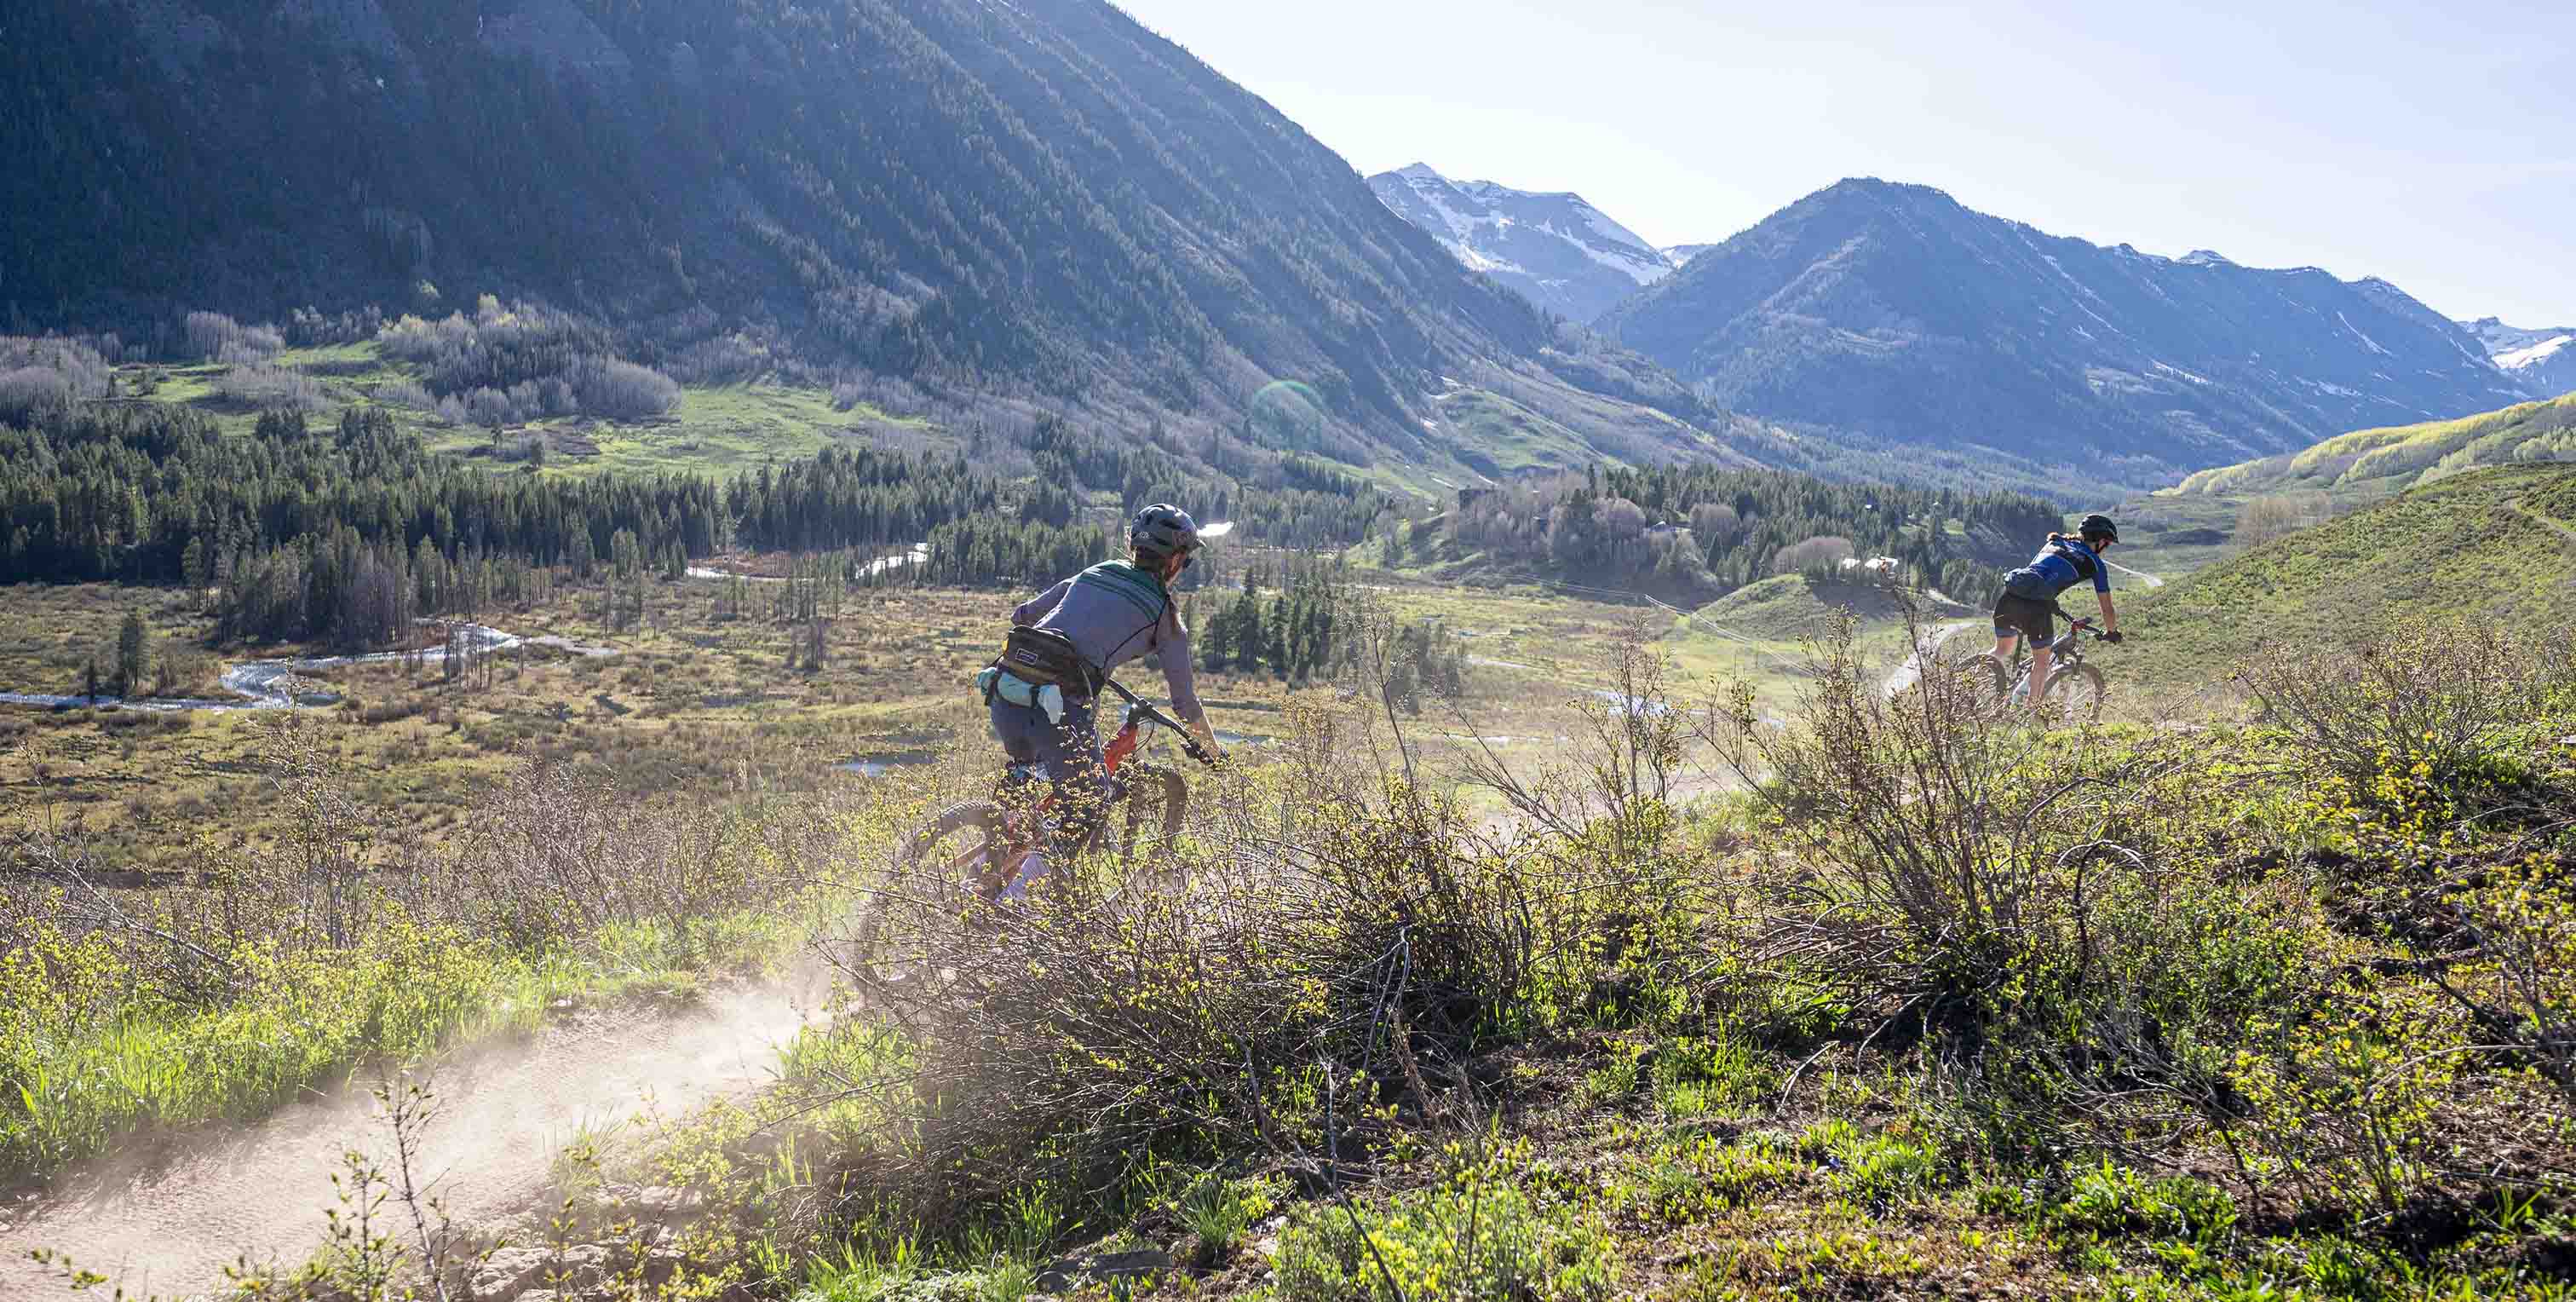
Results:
1035 206
1691 533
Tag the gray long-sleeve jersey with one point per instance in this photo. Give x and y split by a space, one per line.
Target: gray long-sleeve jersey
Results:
1114 613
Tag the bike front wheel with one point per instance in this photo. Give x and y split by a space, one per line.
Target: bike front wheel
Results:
2075 694
1157 801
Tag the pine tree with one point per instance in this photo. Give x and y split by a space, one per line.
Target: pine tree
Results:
132 653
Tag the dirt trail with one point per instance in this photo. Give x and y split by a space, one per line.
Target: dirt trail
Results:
2151 580
1927 650
506 1111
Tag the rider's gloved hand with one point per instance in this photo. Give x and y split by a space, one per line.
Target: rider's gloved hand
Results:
2112 637
1205 736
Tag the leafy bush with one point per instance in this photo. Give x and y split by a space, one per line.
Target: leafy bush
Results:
2432 699
41 374
1480 1234
623 391
2082 978
2518 981
30 389
215 337
1819 554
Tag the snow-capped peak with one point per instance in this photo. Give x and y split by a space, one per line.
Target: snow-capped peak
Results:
1554 247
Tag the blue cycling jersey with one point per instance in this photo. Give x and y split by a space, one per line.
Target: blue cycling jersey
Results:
2060 565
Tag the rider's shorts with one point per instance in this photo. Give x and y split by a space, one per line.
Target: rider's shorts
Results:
2023 617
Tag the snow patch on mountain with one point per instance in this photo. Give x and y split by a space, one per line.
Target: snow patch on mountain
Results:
2366 340
1558 250
2539 352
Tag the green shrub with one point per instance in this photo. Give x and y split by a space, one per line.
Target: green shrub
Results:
1706 1077
2433 706
2107 1200
1480 1234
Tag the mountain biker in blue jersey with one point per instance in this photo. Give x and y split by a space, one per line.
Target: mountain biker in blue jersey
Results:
1064 641
2028 603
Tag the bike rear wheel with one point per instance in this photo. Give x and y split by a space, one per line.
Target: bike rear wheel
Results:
1984 682
899 941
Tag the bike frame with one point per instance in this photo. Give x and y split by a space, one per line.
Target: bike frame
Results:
2066 652
1114 756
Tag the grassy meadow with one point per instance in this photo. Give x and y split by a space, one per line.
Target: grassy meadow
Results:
2191 1030
719 429
1672 956
698 697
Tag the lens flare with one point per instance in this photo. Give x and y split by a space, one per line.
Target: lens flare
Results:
1288 413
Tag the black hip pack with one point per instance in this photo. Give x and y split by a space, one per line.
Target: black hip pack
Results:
1043 657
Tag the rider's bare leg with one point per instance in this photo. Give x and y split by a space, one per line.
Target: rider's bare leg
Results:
2004 648
1031 869
2040 655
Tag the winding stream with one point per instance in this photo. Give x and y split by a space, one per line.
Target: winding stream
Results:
272 685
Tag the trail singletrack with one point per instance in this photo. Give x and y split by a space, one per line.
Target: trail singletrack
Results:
505 1111
2544 521
2151 580
1927 649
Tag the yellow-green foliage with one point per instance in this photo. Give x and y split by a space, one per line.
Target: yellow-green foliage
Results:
2388 460
97 1045
1482 1233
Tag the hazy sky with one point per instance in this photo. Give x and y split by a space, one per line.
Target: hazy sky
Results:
2432 145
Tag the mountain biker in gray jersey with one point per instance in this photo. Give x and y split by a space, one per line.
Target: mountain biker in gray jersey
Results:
2028 603
1114 612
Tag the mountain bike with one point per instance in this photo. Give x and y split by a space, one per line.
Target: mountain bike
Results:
966 855
2075 689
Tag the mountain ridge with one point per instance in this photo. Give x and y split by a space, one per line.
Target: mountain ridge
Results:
2543 360
2374 462
1893 311
1040 204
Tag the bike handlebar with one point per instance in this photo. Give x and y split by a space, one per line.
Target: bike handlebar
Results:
1189 744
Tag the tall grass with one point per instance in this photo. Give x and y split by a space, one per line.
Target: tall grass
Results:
273 970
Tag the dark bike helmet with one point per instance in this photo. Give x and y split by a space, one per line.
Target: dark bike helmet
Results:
1162 531
2099 526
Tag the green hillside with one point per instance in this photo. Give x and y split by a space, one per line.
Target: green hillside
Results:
1793 607
2372 463
2498 543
